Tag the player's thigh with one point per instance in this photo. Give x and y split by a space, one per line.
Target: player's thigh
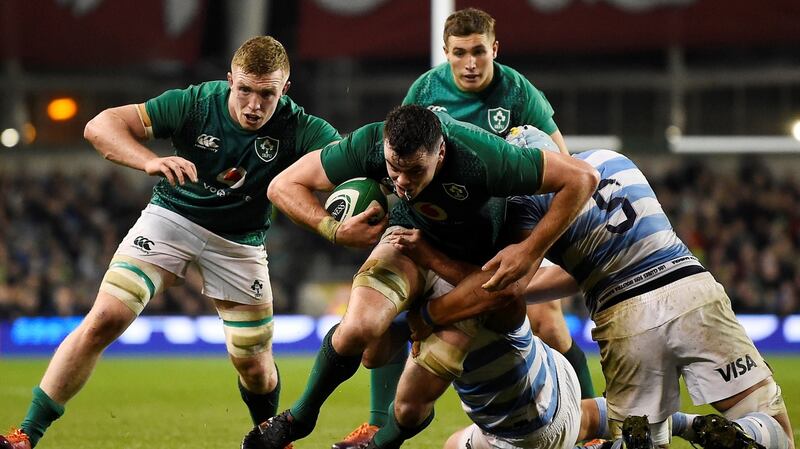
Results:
386 284
639 368
548 323
248 332
720 360
235 272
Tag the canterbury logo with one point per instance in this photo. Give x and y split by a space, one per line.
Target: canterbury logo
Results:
143 243
207 142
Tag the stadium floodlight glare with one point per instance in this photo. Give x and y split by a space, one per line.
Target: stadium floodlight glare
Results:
9 137
796 130
62 109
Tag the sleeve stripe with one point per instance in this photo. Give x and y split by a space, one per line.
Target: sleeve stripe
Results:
146 123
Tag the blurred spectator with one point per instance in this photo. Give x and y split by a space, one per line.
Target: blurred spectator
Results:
58 232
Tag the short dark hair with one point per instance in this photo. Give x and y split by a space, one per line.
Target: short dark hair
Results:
409 127
469 21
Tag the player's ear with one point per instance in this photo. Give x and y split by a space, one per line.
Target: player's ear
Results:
286 87
230 79
495 47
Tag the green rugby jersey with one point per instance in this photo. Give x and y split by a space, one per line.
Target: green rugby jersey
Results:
509 100
234 165
463 208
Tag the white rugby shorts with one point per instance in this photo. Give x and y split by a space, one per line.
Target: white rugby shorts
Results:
231 271
684 328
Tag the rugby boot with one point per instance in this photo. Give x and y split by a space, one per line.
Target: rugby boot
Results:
597 443
636 433
715 432
354 439
277 432
16 439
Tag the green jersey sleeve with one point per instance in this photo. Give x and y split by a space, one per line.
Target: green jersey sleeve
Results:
359 154
167 111
314 133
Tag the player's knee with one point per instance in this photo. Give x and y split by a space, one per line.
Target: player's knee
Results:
441 358
410 413
97 332
389 280
131 281
766 399
248 333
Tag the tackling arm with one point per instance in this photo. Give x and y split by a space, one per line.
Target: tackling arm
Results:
573 181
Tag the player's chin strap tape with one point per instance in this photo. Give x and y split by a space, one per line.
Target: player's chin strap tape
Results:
247 332
387 280
767 399
131 281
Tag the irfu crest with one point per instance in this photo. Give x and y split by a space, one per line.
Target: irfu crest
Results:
456 191
499 118
267 148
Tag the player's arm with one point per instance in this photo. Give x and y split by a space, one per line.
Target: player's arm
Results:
292 191
117 133
558 138
550 283
572 181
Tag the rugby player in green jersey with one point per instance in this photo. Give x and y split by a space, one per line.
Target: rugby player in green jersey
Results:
452 179
472 87
230 138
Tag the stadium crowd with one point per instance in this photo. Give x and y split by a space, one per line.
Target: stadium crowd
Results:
58 231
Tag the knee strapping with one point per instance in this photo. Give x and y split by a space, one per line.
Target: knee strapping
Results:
441 358
131 281
766 399
247 332
388 280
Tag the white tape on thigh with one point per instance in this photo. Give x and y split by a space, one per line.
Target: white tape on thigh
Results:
131 281
767 399
247 332
441 358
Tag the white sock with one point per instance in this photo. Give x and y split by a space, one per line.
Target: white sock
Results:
764 429
682 425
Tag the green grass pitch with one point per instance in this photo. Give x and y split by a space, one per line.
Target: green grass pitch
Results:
193 403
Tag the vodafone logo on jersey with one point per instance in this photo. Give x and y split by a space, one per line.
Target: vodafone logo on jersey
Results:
431 211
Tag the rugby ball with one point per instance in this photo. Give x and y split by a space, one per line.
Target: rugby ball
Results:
355 196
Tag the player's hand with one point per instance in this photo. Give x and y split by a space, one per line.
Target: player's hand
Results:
176 169
413 245
363 230
510 265
420 330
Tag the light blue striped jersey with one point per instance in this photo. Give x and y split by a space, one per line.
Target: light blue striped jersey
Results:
509 386
620 240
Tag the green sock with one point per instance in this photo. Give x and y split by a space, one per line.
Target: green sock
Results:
383 386
41 413
577 359
261 406
329 371
392 435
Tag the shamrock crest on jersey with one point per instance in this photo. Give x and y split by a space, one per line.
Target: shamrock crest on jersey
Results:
499 118
267 148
